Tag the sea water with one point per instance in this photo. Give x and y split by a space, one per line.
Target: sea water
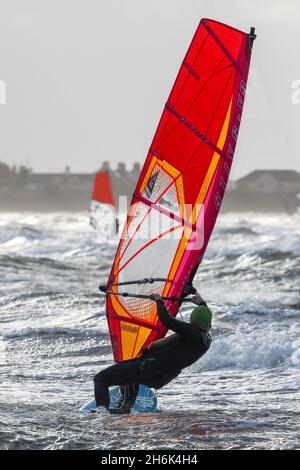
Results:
243 394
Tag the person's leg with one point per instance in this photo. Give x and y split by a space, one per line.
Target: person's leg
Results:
127 399
101 389
126 372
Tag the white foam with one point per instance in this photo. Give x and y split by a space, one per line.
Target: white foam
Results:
281 233
267 347
295 357
2 352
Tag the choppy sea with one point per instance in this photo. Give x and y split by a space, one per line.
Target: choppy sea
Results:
243 394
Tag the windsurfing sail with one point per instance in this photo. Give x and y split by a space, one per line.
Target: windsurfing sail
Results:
181 186
102 208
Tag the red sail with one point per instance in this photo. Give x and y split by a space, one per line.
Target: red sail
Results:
102 191
188 164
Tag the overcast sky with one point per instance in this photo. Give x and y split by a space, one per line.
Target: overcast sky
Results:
86 80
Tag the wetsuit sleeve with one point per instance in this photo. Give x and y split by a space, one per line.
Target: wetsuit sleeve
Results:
180 327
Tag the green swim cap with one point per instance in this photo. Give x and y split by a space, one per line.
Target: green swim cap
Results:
201 316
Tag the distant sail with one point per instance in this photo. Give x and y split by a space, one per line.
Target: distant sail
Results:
181 185
103 209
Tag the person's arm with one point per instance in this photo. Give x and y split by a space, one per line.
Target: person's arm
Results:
178 326
197 299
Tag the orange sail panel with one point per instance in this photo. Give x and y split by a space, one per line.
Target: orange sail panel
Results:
181 186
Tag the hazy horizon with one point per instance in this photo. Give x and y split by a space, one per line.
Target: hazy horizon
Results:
129 168
86 81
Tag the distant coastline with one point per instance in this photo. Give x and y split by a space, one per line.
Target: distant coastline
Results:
23 190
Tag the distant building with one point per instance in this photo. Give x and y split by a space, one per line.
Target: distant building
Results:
105 166
63 181
264 191
121 170
270 181
261 190
136 170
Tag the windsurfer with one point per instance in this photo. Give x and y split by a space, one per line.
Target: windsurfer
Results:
162 361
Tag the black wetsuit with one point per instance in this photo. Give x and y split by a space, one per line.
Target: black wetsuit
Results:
158 365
